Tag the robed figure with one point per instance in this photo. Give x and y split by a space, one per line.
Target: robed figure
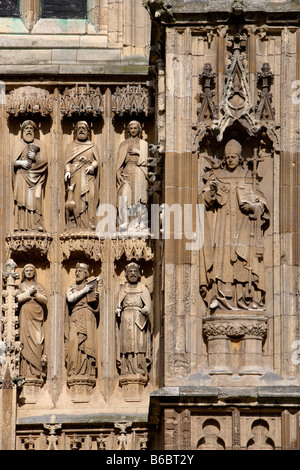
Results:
133 314
32 299
81 327
232 257
131 175
29 174
82 179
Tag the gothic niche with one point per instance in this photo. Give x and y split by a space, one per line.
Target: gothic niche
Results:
133 333
236 216
82 318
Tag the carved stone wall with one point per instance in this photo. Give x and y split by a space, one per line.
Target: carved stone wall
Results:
175 327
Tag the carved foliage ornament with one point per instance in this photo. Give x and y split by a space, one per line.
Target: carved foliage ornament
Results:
132 99
234 331
82 99
29 100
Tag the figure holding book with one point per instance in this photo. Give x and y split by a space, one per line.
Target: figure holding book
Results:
232 258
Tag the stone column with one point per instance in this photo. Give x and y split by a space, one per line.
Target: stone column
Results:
180 189
289 200
56 299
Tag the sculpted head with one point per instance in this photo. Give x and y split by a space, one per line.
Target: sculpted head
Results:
81 272
133 273
82 131
233 154
27 131
29 273
134 129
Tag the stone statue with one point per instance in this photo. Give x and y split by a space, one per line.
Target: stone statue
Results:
83 300
32 299
236 213
133 324
132 182
82 179
29 174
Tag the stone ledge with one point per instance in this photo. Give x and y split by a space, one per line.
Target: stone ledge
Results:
85 418
125 67
271 391
203 6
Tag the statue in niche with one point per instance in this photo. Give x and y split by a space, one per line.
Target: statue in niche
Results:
133 324
82 179
29 174
32 300
231 261
83 302
132 180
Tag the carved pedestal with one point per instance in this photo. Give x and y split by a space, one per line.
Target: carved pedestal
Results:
30 390
81 388
234 343
133 386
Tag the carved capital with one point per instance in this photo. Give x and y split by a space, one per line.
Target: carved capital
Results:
235 329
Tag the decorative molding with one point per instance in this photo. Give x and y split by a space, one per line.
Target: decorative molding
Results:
237 106
81 388
25 242
52 428
208 110
10 347
133 387
122 437
134 98
29 100
81 242
82 100
232 329
132 249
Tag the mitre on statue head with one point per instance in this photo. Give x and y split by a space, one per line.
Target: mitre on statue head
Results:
233 147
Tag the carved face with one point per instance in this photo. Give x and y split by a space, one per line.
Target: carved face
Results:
232 160
82 132
80 275
28 133
29 273
133 274
134 129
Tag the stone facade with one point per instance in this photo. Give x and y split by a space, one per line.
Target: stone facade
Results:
149 236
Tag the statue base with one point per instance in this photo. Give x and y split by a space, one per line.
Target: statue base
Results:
30 390
81 388
234 343
133 386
